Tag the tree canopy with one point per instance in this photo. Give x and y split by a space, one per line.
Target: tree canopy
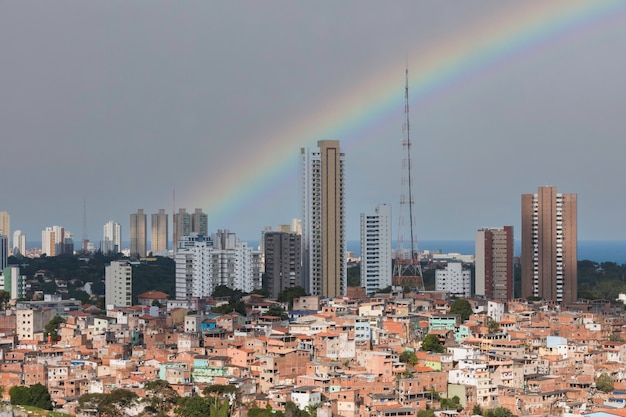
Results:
605 382
36 396
431 344
462 307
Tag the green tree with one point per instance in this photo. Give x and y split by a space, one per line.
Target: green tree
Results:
222 291
499 412
161 397
462 307
288 294
202 407
493 326
261 412
453 403
5 297
261 291
426 413
40 397
477 410
277 311
52 328
20 395
431 344
604 382
408 357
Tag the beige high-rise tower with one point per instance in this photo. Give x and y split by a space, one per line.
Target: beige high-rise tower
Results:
549 246
159 232
5 226
138 233
323 222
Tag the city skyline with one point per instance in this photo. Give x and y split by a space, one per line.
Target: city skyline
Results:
528 91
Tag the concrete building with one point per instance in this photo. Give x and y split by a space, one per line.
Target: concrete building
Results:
118 284
19 243
111 238
182 226
30 323
56 240
5 226
13 282
203 264
494 263
138 233
159 232
200 222
454 280
549 245
376 249
4 251
283 266
323 219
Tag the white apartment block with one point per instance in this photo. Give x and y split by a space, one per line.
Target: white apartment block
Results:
202 265
454 280
19 242
376 249
118 281
111 238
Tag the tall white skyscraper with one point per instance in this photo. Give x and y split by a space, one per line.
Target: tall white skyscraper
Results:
323 219
5 226
19 242
202 264
376 249
118 284
111 238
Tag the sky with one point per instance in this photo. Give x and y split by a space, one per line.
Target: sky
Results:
117 105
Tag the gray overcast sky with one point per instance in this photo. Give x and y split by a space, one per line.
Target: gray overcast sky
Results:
118 102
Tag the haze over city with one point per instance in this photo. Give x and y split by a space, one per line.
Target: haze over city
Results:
118 104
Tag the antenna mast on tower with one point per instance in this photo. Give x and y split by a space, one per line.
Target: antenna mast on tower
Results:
407 271
85 245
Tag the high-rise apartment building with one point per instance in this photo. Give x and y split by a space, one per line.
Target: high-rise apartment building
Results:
19 242
549 245
204 263
200 222
138 233
494 263
376 268
14 283
56 240
111 238
454 280
5 226
323 219
182 226
159 232
283 265
118 284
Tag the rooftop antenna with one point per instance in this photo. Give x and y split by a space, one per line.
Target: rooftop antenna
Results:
85 238
407 271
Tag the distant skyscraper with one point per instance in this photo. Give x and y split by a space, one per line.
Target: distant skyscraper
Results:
160 232
4 251
549 245
118 284
56 241
283 266
323 219
19 242
200 222
376 249
182 226
5 226
494 263
111 238
138 233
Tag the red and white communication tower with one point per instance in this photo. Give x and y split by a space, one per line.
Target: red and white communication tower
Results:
407 271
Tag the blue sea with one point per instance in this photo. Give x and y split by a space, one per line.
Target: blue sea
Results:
591 250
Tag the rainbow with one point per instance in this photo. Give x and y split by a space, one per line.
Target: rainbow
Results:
465 56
